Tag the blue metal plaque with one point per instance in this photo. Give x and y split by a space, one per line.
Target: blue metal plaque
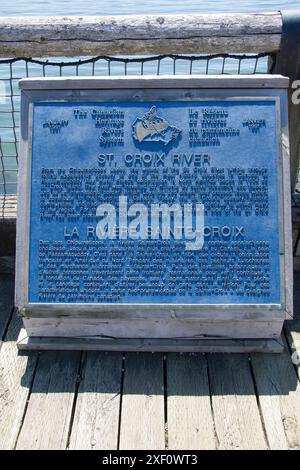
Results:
155 202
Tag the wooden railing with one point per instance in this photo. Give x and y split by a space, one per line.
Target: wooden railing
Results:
153 34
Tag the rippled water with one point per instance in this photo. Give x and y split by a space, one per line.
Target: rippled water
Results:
129 7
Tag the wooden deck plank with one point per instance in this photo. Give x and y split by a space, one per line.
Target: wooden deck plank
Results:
96 419
142 414
279 397
189 414
236 414
16 375
292 329
47 420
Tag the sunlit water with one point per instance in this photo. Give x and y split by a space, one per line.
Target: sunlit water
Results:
130 7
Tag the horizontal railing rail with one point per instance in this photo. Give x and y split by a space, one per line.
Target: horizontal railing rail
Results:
147 34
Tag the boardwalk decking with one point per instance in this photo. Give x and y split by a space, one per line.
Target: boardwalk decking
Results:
95 400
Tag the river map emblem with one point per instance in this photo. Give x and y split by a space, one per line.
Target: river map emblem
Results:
153 128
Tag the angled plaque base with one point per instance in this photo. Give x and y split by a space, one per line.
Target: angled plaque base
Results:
162 345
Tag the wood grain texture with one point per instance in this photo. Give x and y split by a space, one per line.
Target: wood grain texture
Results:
8 212
151 82
144 34
285 198
190 420
96 419
142 416
16 375
8 207
236 414
279 396
47 420
151 327
162 345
